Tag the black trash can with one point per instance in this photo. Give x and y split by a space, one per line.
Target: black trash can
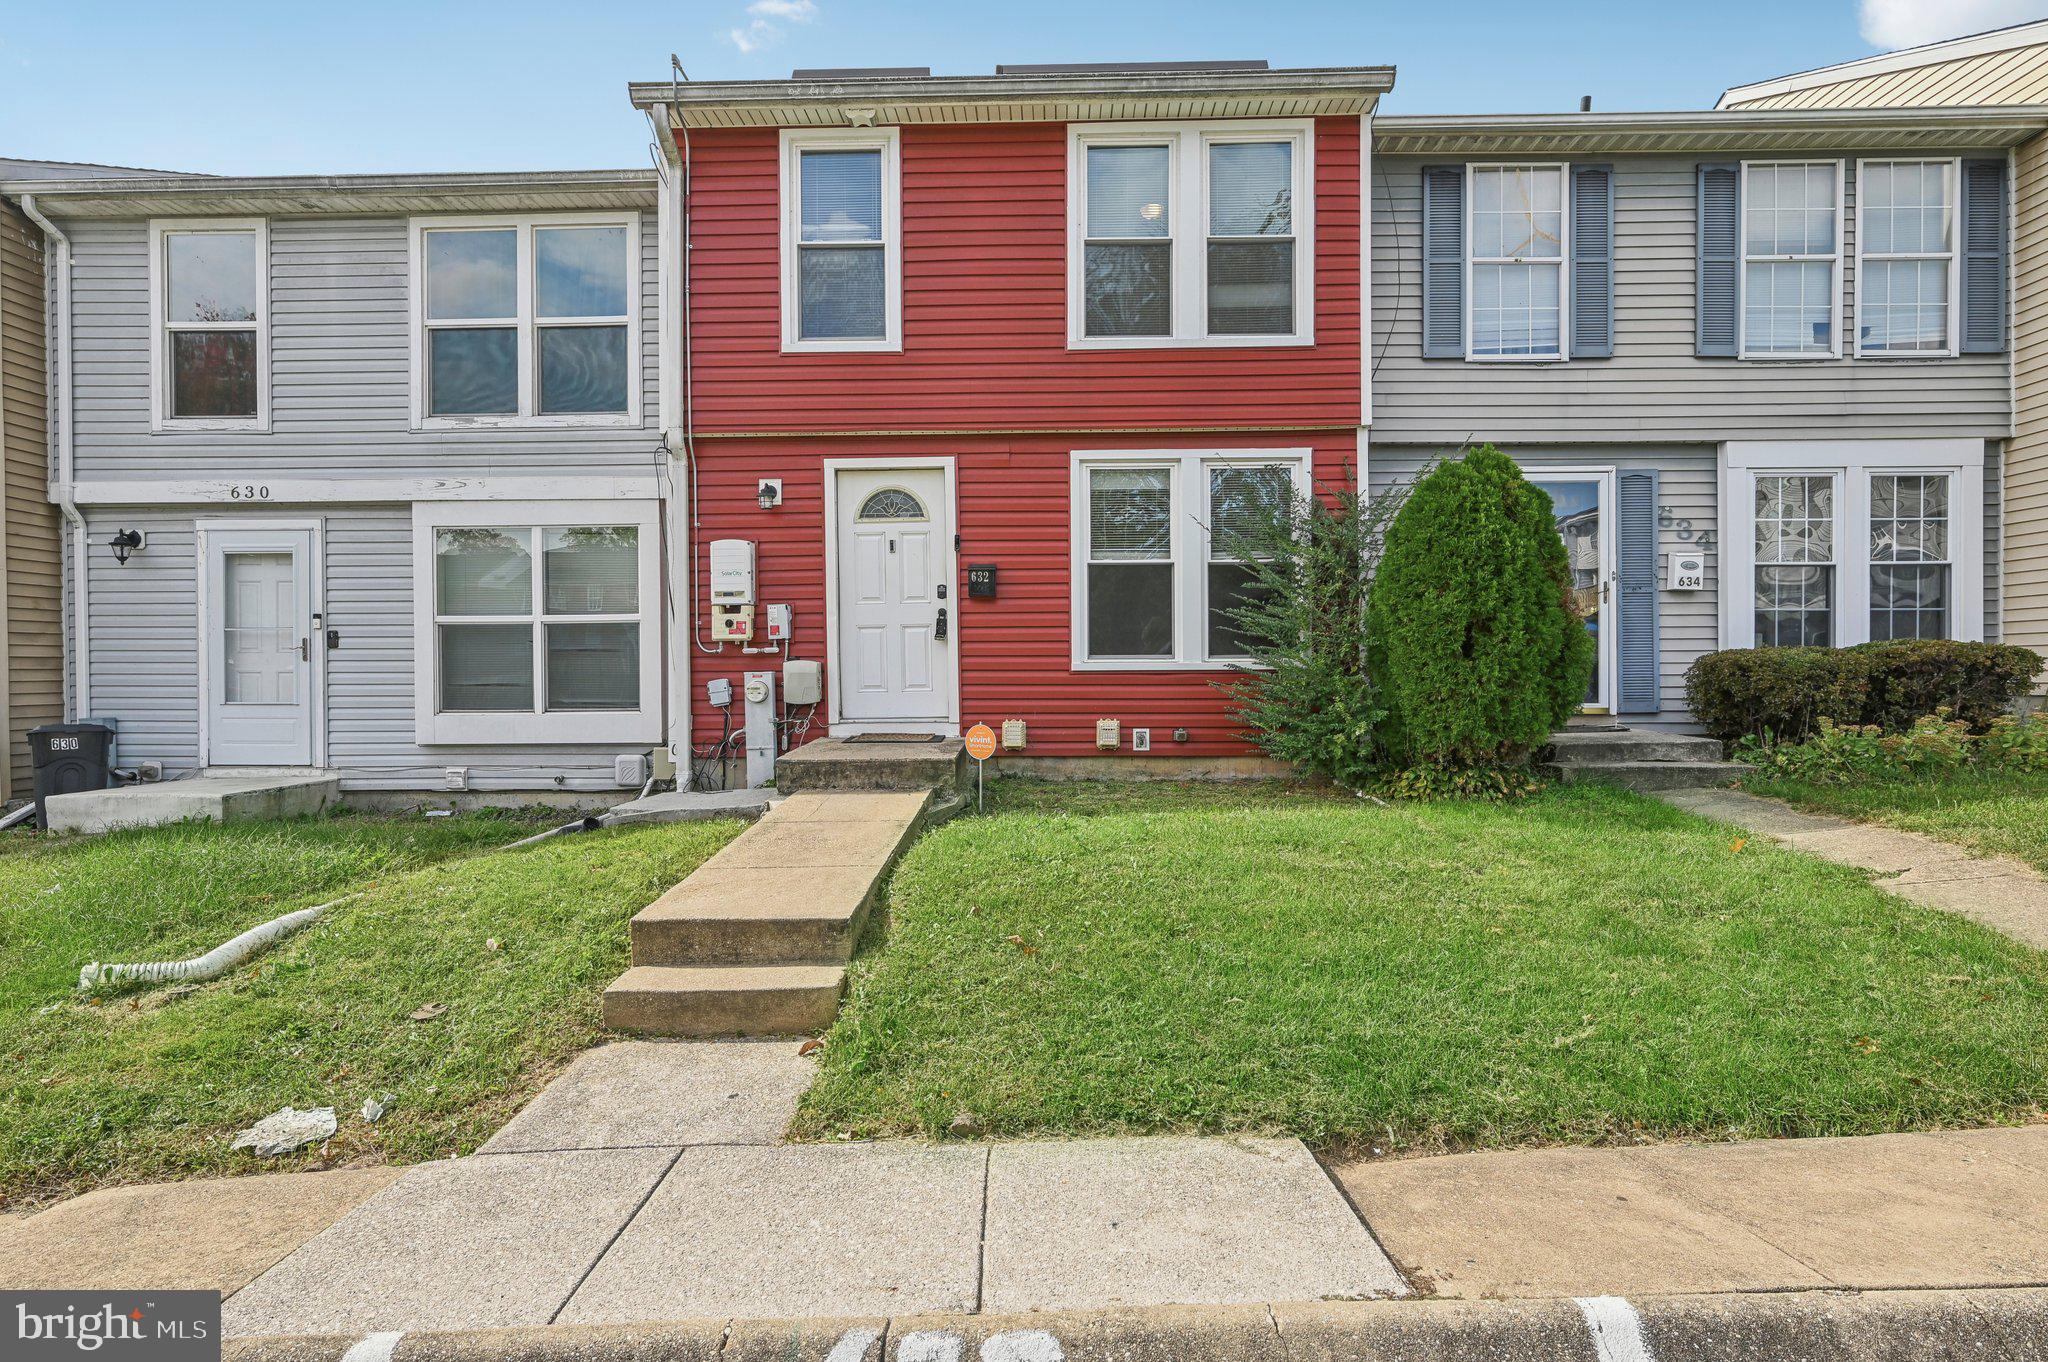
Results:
69 758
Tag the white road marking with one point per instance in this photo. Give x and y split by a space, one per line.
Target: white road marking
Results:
853 1345
1023 1345
372 1348
930 1346
1616 1328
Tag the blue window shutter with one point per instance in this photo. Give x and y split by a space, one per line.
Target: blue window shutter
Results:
1592 262
1983 318
1635 538
1720 228
1443 262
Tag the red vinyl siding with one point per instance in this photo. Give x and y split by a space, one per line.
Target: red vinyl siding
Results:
1013 511
984 304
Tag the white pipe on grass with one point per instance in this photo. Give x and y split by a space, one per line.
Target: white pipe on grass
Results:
214 963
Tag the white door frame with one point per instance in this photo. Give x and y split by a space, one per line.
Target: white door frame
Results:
1602 475
949 559
204 530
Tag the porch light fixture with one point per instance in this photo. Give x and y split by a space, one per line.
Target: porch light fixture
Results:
769 493
124 543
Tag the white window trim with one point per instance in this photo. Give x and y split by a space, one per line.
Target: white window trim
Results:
497 728
1852 462
1563 261
526 323
1190 548
1743 259
1187 188
160 417
1952 195
795 141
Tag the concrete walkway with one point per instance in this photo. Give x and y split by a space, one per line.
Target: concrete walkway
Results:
2003 894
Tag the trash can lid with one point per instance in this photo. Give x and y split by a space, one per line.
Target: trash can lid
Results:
69 728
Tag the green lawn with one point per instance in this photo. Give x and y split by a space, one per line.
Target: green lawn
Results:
2003 812
1584 965
149 1083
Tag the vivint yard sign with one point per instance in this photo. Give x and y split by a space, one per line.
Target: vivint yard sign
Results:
112 1326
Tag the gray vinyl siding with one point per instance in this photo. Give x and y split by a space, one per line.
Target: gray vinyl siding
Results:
340 346
1654 389
145 657
1688 497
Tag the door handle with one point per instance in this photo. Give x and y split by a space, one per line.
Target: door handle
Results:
940 632
305 653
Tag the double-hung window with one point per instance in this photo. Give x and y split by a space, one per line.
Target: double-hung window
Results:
1157 574
1791 251
1842 542
534 622
209 305
1191 235
527 320
1518 262
842 287
1906 258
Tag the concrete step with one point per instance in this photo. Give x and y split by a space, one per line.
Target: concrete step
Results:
724 1000
837 764
1649 775
1631 744
756 917
217 796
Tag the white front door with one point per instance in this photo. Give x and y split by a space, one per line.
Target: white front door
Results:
259 637
894 546
1581 502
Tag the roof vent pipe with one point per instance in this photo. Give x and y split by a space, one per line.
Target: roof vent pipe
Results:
1585 103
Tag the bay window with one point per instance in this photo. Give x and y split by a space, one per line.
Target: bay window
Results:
1905 257
210 324
533 622
841 252
1791 250
1188 235
526 320
1156 576
1517 262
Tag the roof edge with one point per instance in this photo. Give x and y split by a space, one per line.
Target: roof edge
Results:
255 185
1365 80
1883 63
1964 116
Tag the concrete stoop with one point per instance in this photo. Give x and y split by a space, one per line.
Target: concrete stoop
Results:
215 796
755 941
844 764
1639 759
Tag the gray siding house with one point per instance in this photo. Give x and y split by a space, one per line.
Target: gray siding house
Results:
1775 343
370 472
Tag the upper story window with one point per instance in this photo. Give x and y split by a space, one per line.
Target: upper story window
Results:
1791 251
842 284
526 320
1190 235
1155 579
1905 257
1517 262
209 303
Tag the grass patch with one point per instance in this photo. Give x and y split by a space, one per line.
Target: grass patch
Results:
152 1083
1581 966
1998 812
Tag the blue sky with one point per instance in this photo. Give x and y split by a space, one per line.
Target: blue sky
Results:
269 88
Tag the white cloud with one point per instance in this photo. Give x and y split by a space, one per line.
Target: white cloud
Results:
767 18
1908 23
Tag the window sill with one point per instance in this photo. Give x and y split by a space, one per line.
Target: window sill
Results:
1188 342
1518 359
245 425
1788 359
507 729
891 346
1159 665
627 421
1907 354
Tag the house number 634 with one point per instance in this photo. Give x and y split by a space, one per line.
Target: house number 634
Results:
248 491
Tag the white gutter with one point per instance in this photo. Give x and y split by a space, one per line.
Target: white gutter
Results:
61 405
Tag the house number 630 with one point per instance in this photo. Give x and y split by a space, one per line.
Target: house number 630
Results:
248 491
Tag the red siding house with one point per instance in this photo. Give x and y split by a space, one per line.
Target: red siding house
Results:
1037 328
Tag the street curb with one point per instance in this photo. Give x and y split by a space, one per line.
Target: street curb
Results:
2007 1324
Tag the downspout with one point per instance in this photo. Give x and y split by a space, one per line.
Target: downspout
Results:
672 347
61 407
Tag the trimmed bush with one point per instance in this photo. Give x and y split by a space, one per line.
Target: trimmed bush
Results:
1783 694
1472 642
1774 694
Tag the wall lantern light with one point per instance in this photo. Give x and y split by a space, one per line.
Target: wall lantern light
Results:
124 543
769 494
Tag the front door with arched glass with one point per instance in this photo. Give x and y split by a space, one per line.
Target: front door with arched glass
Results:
895 619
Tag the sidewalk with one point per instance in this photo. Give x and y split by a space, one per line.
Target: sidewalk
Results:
644 1187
